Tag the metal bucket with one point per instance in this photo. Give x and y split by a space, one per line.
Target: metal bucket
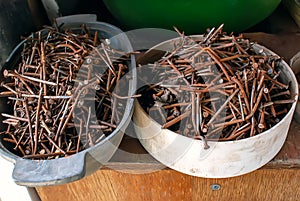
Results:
223 159
62 170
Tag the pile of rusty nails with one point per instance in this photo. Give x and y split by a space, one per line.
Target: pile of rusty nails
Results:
55 79
216 88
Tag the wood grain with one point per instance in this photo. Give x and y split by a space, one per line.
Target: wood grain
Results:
109 185
94 187
264 184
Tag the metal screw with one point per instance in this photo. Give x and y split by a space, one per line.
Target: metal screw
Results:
215 187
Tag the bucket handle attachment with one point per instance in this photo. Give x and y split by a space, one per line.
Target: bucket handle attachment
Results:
33 173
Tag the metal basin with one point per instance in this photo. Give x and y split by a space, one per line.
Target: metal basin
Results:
224 159
62 170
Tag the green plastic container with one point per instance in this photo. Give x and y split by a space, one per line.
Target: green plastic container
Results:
192 16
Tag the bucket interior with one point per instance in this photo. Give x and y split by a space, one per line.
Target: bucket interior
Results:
118 41
286 74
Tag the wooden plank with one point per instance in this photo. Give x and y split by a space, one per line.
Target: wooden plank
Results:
94 187
264 184
109 185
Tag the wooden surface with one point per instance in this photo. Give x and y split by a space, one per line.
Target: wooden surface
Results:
108 185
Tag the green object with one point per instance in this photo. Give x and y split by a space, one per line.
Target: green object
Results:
191 16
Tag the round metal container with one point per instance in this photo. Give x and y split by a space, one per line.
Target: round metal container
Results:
223 159
62 170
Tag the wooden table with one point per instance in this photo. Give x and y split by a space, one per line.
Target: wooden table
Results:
126 178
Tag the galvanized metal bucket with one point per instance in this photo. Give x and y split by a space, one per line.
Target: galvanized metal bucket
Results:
62 170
